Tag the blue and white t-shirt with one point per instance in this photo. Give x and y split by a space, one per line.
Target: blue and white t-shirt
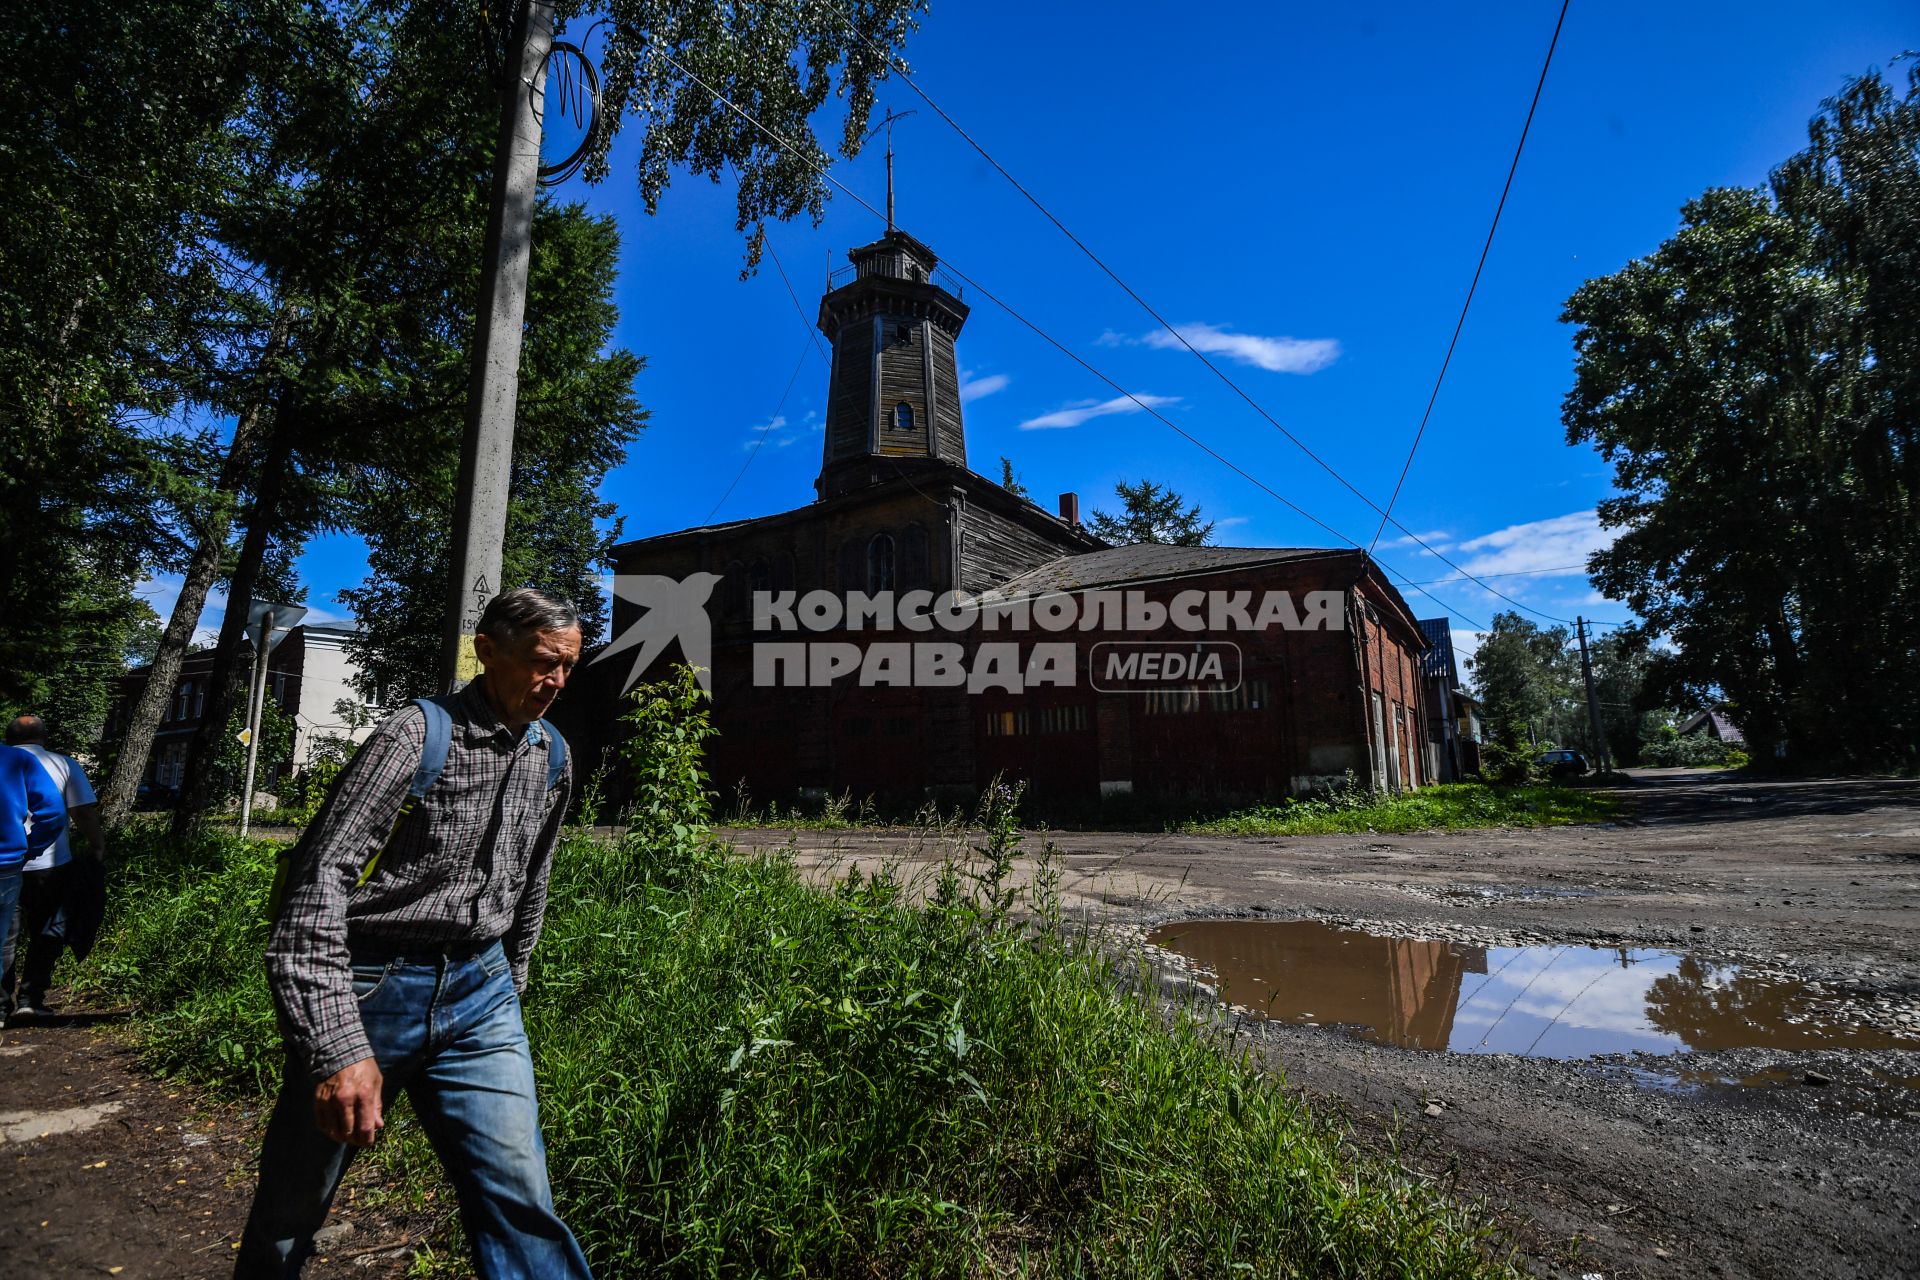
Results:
74 788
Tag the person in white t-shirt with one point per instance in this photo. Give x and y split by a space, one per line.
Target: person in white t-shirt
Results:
46 889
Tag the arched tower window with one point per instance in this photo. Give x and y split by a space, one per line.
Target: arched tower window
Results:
903 416
880 563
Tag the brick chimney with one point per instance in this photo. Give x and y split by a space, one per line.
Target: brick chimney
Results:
1070 508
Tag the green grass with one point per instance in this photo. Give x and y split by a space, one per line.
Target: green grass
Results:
1436 808
743 1075
1346 810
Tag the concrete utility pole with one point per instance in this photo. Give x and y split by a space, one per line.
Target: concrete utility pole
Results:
493 394
1605 760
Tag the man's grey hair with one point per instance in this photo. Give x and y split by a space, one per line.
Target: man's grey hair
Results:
26 731
512 618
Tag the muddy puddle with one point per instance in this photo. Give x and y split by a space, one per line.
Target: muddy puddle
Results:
1552 1002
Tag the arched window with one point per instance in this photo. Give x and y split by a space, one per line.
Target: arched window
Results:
880 563
903 416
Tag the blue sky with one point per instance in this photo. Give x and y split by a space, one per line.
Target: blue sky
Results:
1303 191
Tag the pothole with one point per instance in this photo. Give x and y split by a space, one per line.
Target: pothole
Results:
1570 1001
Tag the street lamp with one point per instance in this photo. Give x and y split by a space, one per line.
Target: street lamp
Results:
265 620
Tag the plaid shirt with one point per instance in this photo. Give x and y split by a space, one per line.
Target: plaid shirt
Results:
469 866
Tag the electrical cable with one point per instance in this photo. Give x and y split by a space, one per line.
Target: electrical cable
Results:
764 432
787 146
1479 267
900 70
1516 999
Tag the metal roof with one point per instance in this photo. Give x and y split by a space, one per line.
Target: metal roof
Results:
1146 562
1437 662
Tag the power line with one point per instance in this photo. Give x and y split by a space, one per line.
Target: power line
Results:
900 70
787 146
1511 573
1479 267
764 433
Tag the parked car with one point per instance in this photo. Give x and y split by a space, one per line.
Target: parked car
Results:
1565 764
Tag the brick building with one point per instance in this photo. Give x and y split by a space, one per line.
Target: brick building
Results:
897 510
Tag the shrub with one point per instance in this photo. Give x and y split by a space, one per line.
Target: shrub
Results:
1510 766
1669 750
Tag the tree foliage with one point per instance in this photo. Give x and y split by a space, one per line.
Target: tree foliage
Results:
116 317
1755 383
1528 681
577 414
1152 513
1011 482
667 60
246 237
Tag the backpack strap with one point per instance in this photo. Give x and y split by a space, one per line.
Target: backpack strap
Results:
556 750
433 761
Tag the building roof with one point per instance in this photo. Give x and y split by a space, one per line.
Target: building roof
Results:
1437 662
1144 563
1715 722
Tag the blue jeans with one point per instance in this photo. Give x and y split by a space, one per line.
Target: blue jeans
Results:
10 881
448 1032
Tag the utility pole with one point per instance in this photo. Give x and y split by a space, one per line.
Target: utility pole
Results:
493 393
1593 701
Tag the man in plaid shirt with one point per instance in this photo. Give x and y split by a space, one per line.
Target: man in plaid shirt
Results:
410 977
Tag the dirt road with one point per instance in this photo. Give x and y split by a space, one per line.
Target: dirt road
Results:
1788 1162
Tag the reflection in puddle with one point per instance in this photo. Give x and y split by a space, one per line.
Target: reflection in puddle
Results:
1551 1002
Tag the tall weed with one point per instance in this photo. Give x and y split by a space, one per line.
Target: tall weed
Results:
743 1075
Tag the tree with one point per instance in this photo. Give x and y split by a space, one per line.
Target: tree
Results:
1620 660
1150 513
577 414
1528 682
1755 383
1011 482
121 324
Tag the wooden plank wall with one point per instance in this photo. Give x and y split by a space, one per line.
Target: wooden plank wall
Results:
851 390
994 548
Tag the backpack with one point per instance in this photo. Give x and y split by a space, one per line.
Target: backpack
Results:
433 760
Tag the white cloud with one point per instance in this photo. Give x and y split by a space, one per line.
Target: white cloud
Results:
1465 645
161 590
1545 547
972 388
1080 411
1437 539
1227 522
1275 355
768 430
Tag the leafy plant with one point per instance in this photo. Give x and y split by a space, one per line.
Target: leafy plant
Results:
669 825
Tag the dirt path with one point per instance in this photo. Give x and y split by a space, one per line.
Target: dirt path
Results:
1621 1166
113 1173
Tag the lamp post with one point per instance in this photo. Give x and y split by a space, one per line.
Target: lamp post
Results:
264 620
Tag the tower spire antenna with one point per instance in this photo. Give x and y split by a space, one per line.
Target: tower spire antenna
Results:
887 124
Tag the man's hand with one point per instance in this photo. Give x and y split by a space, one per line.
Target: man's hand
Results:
346 1105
